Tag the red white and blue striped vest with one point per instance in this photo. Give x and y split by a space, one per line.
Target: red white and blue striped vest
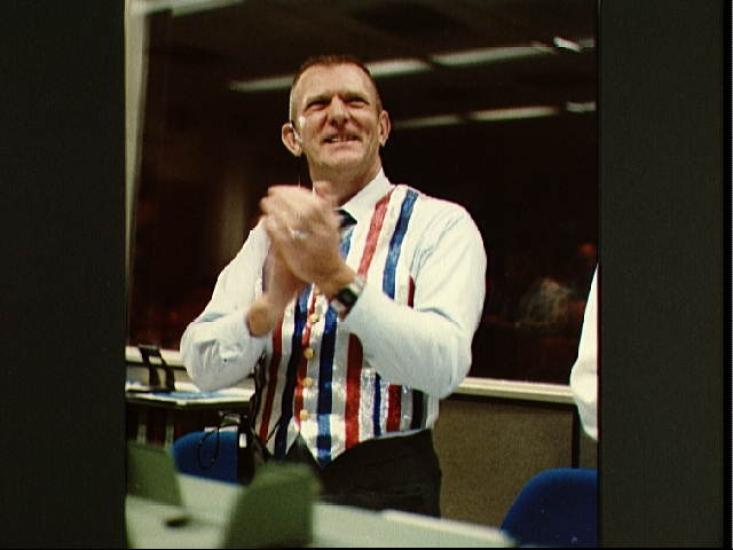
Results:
315 379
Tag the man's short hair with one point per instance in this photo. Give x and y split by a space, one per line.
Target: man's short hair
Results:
329 60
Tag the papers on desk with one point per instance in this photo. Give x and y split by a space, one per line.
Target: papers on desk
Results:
188 394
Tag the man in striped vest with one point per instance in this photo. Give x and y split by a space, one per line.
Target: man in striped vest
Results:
353 303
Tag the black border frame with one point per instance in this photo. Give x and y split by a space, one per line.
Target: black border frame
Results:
665 403
663 397
62 147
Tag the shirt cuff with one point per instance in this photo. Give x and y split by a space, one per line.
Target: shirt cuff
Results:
237 337
358 316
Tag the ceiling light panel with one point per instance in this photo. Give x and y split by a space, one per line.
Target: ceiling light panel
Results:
491 55
379 69
428 122
565 44
394 67
177 7
514 113
268 84
580 106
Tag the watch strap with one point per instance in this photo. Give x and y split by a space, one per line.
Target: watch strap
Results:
347 296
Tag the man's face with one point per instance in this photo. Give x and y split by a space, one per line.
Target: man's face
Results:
339 123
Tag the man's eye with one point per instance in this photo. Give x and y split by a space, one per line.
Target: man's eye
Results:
315 105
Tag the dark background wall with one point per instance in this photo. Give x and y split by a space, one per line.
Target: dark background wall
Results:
666 449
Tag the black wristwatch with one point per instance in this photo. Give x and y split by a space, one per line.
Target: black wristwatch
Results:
346 297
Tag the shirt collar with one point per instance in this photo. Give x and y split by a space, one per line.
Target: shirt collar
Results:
360 206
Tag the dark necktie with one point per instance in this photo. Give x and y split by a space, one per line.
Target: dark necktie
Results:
347 220
346 225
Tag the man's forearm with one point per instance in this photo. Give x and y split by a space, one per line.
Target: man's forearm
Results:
262 315
423 350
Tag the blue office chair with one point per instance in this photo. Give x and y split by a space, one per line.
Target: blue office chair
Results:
211 454
557 507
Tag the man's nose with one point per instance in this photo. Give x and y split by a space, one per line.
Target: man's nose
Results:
337 111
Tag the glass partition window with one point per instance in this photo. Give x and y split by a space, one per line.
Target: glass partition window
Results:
493 106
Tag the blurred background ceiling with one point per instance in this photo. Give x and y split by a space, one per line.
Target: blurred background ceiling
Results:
493 104
489 99
463 55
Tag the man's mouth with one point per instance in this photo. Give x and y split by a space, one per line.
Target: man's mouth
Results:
340 139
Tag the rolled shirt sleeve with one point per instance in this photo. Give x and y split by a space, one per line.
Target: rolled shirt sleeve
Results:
217 347
428 346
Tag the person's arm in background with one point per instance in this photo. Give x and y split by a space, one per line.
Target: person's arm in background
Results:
584 374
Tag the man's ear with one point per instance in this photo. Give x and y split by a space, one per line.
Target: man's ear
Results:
291 139
384 125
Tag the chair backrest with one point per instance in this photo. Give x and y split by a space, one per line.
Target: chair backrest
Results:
276 510
209 453
151 473
557 507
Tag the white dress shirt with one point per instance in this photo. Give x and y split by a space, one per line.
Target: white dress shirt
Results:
424 264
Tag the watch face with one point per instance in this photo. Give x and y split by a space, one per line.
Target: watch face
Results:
346 296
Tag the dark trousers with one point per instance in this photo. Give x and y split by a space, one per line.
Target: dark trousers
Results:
398 473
